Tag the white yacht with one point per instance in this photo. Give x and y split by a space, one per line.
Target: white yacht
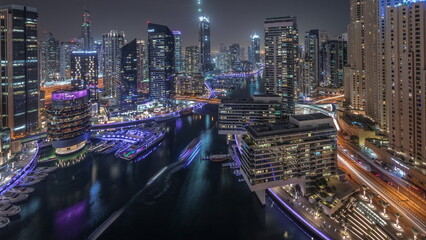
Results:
28 181
12 197
45 169
21 190
8 210
3 222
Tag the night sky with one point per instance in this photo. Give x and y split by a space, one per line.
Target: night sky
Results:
232 21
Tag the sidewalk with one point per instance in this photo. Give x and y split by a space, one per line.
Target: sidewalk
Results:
322 226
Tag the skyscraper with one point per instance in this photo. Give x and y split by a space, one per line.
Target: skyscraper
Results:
84 68
112 44
234 56
314 42
354 73
19 93
281 47
161 54
204 44
254 49
49 58
86 31
191 59
132 66
334 60
406 79
66 50
178 51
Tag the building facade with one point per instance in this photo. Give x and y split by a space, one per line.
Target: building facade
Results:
235 115
281 49
192 57
86 31
204 45
298 151
406 79
190 85
19 92
161 60
85 71
49 58
69 121
178 51
133 66
254 49
112 44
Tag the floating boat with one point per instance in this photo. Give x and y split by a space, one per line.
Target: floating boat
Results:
167 117
217 157
4 222
10 197
135 150
8 210
45 169
28 181
25 190
38 175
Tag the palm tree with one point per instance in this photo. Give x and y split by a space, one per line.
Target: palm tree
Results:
384 205
364 188
397 215
415 232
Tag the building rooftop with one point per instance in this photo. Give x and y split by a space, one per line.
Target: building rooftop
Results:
309 117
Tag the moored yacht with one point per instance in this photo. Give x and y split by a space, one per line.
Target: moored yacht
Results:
21 190
4 221
10 197
8 210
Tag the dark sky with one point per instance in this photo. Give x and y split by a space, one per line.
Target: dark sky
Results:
232 21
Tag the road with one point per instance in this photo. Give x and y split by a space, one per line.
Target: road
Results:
412 209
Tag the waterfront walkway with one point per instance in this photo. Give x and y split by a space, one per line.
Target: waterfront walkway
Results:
323 226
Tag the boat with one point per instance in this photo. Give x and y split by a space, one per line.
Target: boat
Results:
167 117
4 222
28 181
38 175
8 210
217 157
45 169
135 150
25 190
10 197
185 111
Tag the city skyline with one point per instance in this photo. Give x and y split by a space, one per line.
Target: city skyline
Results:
329 15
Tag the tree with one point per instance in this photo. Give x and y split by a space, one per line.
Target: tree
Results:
384 205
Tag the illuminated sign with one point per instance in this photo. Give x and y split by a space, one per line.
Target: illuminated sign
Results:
60 95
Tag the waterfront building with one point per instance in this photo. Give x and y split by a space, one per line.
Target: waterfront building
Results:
297 151
190 85
133 67
19 93
178 51
84 69
192 57
406 79
65 51
5 152
161 51
49 58
281 48
204 44
254 49
112 44
235 115
69 120
354 73
86 31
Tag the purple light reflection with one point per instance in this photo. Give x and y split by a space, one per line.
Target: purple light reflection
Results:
68 95
70 222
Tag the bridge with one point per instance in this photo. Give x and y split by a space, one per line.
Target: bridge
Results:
199 99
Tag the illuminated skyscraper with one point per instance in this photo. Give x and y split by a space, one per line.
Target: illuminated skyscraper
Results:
254 49
191 59
84 68
334 60
49 58
281 48
132 66
234 55
178 51
161 54
406 79
314 41
204 44
86 31
112 44
65 52
19 92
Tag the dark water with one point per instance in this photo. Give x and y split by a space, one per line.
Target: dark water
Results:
203 201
